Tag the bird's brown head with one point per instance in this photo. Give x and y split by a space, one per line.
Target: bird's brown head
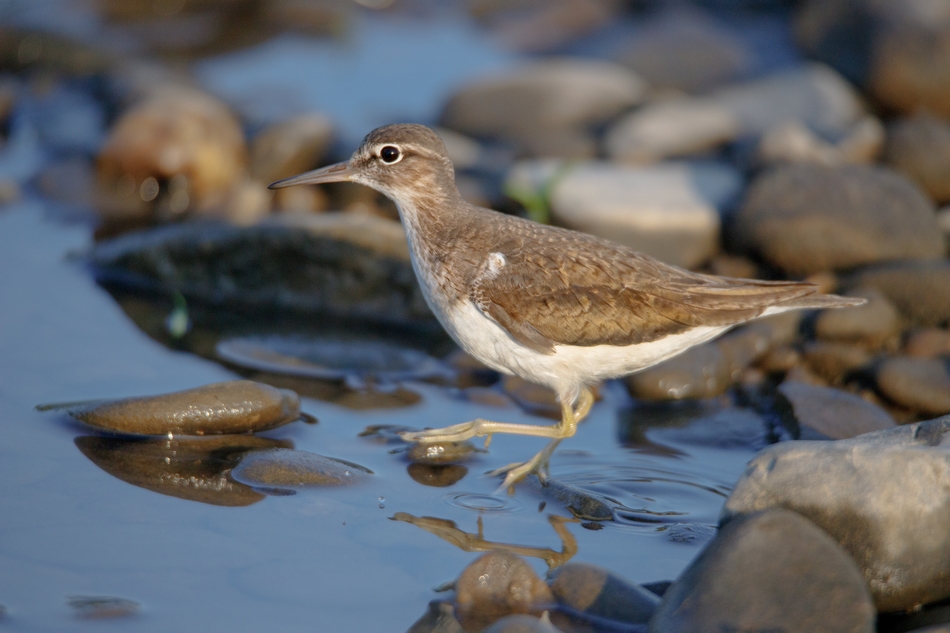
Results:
405 162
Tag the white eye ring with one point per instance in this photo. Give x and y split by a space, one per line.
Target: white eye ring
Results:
390 154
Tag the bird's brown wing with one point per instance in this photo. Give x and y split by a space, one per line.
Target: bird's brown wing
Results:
566 289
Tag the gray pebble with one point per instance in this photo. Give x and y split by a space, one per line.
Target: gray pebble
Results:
284 467
827 413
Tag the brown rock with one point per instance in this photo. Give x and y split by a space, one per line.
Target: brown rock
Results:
807 218
237 406
919 147
699 372
180 150
497 584
928 343
290 147
289 468
835 361
873 323
918 383
920 290
596 591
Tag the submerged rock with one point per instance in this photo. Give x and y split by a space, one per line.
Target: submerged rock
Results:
596 591
588 506
237 406
285 467
346 264
882 496
826 413
497 584
439 618
771 571
193 468
807 219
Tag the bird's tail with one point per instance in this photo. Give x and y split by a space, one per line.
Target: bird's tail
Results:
821 301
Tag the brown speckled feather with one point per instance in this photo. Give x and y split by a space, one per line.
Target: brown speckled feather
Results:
559 287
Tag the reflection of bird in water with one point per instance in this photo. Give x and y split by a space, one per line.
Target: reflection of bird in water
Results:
557 307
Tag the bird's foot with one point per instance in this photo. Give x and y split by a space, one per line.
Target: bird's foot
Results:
516 472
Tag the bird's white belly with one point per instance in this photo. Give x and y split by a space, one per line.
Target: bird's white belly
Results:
571 366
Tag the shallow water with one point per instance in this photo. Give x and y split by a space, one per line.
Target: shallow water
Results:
332 558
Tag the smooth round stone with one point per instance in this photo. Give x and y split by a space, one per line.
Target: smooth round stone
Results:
596 591
807 218
687 51
921 384
700 372
919 147
286 467
910 63
835 361
881 495
813 95
290 147
438 618
588 506
793 142
771 571
826 413
237 406
182 137
440 452
497 584
522 624
920 290
531 396
669 211
192 468
928 343
872 323
543 98
752 341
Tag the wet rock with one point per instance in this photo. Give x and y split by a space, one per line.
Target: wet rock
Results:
497 584
290 147
700 372
688 51
533 397
920 290
771 571
437 476
178 151
102 607
863 491
331 358
793 142
596 591
826 413
346 264
440 452
921 384
732 427
814 95
194 468
544 100
807 218
835 362
872 323
585 505
928 343
288 468
440 618
919 147
670 211
523 624
237 406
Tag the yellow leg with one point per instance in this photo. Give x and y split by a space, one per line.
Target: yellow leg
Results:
539 463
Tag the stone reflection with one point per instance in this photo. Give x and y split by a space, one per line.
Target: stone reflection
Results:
437 475
193 468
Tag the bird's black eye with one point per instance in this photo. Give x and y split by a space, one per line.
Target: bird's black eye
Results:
389 154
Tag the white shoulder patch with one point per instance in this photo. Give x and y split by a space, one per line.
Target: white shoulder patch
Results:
496 261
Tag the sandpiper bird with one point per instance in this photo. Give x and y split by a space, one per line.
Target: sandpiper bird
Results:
557 307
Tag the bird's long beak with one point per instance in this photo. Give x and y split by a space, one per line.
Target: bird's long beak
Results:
341 172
